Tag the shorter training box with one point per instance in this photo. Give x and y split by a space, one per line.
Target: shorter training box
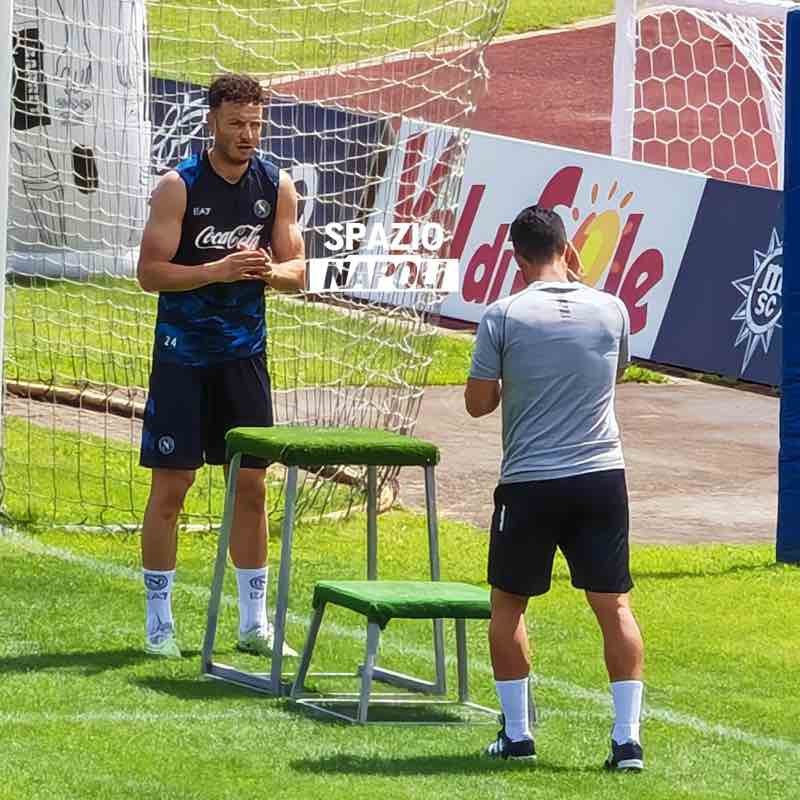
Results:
380 602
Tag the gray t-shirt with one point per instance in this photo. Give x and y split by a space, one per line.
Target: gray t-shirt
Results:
557 348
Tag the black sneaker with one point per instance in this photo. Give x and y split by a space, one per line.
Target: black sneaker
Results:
503 747
628 756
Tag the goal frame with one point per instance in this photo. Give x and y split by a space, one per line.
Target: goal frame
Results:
68 313
627 13
787 152
6 36
788 534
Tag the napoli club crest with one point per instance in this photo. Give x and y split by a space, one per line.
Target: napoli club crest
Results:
261 209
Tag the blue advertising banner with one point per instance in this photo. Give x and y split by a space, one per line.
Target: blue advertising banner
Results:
724 314
330 153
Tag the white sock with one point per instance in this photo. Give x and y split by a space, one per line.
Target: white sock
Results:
158 588
514 702
627 710
252 599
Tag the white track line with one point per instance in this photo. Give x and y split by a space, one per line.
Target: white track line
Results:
312 73
580 25
32 545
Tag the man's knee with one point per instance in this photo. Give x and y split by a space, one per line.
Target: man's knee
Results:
251 490
168 490
612 610
607 603
505 603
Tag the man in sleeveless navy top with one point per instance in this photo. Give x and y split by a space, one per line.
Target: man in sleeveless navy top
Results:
222 230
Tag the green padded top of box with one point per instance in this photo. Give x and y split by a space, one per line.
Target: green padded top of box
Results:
381 601
307 446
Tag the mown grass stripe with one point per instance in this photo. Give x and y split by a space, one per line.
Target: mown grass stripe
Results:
573 691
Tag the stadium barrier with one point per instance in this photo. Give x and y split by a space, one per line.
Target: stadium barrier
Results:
697 261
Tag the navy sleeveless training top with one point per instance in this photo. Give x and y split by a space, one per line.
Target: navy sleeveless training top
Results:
222 321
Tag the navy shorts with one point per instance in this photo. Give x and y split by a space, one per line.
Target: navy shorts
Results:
190 409
584 516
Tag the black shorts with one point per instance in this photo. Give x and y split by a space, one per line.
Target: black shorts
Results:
190 409
586 516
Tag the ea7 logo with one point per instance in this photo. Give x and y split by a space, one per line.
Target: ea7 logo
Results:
201 212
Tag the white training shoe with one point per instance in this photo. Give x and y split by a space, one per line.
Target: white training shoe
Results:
162 642
259 641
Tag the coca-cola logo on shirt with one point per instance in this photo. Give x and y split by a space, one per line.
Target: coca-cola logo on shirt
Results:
242 235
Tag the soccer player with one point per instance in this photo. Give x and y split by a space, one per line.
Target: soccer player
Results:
222 230
553 352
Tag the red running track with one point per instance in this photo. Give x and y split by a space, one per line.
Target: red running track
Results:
553 88
557 88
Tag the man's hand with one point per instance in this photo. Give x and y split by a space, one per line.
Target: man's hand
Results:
243 265
574 264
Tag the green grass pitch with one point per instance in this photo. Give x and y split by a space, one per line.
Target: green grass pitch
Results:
85 715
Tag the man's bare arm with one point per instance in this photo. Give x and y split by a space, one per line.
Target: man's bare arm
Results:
287 271
162 235
481 397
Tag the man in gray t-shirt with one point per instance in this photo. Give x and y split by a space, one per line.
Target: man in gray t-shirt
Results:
553 352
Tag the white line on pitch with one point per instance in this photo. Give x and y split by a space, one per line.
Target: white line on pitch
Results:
32 545
255 714
251 714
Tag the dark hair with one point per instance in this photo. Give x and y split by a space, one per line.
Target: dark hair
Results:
538 235
234 89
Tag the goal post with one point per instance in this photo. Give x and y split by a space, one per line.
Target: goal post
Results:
5 169
788 540
712 86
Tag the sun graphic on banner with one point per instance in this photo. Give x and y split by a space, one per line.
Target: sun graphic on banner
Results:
760 311
597 237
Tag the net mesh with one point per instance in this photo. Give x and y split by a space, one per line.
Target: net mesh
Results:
367 103
708 92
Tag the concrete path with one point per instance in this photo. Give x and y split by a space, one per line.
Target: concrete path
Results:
701 461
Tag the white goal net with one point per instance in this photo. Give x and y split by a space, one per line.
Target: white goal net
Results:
367 103
699 85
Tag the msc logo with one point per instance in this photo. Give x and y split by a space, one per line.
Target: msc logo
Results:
760 312
166 445
155 582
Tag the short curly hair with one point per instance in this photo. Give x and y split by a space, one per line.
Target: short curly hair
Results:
235 89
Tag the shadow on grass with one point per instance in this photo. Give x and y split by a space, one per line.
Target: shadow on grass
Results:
460 764
198 688
89 663
397 713
739 569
